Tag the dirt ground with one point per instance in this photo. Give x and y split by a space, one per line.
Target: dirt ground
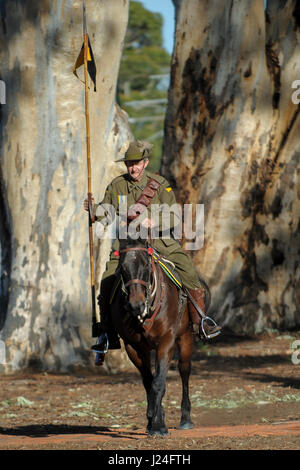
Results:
245 394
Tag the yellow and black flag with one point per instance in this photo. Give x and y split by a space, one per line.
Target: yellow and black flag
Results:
91 65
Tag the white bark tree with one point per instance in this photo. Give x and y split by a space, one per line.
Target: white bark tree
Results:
231 142
45 316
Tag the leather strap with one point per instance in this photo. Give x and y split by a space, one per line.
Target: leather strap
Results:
201 313
144 200
147 325
136 281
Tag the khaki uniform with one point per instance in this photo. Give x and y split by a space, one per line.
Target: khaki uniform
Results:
123 189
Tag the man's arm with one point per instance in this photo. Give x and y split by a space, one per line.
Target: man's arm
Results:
167 216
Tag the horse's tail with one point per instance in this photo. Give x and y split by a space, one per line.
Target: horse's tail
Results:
207 298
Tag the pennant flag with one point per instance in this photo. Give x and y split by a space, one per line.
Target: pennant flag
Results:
91 65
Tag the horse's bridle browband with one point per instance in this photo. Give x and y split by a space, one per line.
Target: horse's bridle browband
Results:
136 281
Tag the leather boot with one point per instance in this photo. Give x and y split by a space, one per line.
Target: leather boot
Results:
108 337
106 325
210 330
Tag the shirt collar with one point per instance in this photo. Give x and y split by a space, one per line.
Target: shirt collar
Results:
137 184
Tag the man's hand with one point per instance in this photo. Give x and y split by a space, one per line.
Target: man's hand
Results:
86 204
148 223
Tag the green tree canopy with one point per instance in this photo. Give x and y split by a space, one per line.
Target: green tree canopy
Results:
144 65
144 27
143 53
138 64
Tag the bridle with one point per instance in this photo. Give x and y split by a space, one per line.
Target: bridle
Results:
138 248
154 293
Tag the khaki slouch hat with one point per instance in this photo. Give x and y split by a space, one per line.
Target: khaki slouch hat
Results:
137 150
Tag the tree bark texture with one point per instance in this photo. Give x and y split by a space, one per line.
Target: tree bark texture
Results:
232 143
45 276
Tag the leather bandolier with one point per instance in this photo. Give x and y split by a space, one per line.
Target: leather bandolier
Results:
144 200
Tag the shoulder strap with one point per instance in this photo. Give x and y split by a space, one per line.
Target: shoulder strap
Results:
157 177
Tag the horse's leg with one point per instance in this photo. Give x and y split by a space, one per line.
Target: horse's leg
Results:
163 356
142 361
185 346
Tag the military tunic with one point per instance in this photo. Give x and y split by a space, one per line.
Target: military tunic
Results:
121 189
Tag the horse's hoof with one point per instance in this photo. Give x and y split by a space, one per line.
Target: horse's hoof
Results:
188 425
157 432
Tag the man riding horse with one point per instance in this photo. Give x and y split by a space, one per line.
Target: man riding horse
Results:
141 190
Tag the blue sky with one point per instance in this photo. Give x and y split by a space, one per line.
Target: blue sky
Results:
166 8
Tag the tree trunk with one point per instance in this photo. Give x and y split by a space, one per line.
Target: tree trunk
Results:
231 143
45 275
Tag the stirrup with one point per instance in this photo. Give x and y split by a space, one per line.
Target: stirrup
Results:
102 344
212 335
101 348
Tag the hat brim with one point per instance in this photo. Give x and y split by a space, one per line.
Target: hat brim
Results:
135 159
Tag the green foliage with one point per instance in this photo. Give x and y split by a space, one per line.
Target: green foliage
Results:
144 65
138 64
144 27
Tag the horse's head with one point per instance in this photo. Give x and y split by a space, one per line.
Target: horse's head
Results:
135 267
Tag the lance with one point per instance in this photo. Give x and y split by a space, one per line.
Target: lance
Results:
88 56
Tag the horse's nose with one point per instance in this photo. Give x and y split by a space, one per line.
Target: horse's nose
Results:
138 306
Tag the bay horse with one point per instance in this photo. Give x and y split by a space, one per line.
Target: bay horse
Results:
150 313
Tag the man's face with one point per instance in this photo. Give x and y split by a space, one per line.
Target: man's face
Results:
136 169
